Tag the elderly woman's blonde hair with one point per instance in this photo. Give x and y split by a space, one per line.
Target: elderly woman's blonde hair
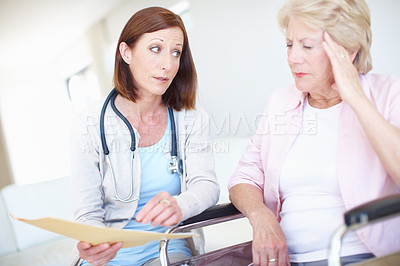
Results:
347 21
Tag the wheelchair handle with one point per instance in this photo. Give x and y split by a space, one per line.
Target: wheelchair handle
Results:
367 213
373 211
217 211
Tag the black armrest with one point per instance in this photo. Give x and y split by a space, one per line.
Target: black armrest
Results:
217 211
373 210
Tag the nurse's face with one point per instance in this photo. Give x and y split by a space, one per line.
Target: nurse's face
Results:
154 60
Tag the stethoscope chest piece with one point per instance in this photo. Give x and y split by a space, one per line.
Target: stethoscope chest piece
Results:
175 165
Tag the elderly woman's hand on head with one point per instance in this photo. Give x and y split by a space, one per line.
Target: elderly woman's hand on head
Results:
344 71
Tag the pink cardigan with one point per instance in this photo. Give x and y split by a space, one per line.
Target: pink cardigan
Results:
361 175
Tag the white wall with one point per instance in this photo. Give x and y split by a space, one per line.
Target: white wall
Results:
36 117
240 56
385 23
239 53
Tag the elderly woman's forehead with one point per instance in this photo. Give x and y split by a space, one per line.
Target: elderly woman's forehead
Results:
296 25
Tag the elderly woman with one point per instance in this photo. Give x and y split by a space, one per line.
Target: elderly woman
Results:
146 164
336 144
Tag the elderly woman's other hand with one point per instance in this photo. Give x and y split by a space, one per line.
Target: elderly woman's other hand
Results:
100 254
269 243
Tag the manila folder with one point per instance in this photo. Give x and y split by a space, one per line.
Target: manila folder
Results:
96 235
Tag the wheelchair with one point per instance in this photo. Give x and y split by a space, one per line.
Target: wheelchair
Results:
241 254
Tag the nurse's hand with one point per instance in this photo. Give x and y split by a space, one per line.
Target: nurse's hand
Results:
163 209
99 254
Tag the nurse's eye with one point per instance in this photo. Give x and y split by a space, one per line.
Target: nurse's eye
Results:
155 49
176 53
288 45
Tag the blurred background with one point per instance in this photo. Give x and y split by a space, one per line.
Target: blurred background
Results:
56 56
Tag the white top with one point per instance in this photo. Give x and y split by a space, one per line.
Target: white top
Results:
312 207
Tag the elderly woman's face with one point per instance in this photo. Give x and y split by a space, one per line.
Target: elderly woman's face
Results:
155 60
308 62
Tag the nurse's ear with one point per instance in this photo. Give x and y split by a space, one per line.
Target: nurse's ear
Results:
125 52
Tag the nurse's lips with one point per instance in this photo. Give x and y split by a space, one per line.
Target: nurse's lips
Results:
161 79
300 75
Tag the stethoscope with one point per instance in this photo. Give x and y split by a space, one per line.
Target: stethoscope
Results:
175 165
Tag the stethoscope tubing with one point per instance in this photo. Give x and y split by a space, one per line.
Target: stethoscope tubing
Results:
176 164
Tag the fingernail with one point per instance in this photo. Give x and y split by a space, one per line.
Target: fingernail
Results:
105 245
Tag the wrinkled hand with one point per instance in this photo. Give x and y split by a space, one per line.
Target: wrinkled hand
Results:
345 73
269 243
163 209
99 254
